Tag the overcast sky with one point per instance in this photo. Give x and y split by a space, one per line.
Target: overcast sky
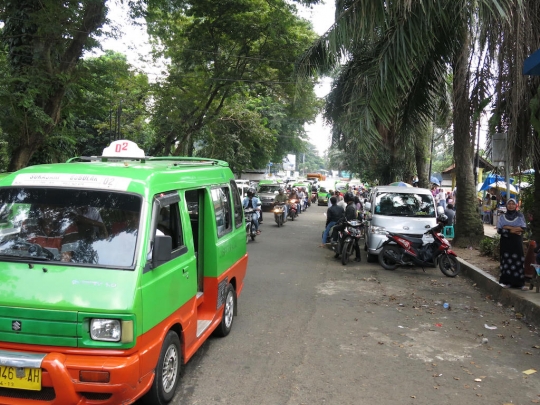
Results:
134 44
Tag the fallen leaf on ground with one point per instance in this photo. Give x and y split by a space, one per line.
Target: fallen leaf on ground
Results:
529 371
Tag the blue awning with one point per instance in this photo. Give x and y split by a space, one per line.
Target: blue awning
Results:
531 66
493 178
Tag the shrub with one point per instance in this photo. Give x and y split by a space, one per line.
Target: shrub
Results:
486 246
490 247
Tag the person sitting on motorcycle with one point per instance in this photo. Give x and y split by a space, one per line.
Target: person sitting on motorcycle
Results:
333 214
294 196
350 215
250 201
282 198
302 199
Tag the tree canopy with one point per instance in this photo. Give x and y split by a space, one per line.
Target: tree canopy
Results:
228 89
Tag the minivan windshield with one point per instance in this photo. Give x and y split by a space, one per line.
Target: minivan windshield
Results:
88 227
270 189
404 204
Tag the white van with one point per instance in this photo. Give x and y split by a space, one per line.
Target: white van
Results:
407 210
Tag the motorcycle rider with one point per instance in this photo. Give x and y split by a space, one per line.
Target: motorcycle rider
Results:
282 198
350 215
302 198
250 201
333 214
294 195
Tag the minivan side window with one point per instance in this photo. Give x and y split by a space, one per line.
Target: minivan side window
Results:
168 222
222 208
237 203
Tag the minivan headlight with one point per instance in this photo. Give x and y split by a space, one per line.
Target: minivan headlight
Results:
108 330
381 230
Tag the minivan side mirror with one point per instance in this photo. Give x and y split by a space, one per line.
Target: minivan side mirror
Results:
162 250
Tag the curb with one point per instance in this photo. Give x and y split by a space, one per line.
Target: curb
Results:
526 303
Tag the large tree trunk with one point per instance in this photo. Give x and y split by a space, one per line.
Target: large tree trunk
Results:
52 77
469 229
535 223
421 157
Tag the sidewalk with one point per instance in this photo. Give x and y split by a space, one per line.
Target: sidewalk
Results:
527 303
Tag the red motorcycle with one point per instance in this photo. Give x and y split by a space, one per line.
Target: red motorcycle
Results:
401 250
293 209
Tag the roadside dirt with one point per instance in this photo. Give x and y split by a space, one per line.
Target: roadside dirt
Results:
473 256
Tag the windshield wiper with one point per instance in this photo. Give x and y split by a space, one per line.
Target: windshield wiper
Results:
24 258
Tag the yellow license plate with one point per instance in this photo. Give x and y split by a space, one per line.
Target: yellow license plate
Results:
20 378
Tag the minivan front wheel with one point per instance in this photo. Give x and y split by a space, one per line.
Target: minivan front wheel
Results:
167 374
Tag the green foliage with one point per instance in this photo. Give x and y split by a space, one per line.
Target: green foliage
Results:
490 247
309 161
44 41
89 121
223 55
526 196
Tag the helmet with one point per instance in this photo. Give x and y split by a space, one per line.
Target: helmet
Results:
250 192
442 218
295 189
348 197
440 210
280 191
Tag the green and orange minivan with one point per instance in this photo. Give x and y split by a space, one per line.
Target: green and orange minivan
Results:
114 270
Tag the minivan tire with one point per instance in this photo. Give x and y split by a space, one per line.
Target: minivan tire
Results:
227 318
167 373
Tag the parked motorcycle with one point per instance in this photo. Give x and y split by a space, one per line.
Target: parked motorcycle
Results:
279 214
293 209
347 239
251 231
400 250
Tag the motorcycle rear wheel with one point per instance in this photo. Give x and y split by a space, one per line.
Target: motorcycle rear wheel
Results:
345 253
386 262
449 265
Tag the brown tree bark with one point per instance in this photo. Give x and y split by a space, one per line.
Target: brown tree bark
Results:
31 137
469 229
421 157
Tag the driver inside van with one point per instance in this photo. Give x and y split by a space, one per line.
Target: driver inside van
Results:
385 207
52 230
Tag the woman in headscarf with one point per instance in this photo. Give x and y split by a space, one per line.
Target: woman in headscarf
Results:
511 226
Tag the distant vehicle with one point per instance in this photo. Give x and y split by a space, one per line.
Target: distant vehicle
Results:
243 186
318 176
267 194
322 196
341 186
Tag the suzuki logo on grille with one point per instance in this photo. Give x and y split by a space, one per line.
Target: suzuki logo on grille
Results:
16 326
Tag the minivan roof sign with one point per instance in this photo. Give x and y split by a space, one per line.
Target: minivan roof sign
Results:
123 148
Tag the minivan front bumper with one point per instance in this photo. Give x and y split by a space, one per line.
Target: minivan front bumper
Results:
61 384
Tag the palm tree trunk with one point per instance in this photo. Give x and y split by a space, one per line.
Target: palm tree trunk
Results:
469 229
421 156
535 223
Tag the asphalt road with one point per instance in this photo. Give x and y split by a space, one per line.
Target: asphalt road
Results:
312 331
